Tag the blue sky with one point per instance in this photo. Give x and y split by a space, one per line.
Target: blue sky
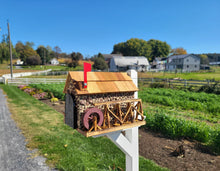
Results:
93 26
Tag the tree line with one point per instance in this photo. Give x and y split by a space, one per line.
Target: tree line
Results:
25 52
155 48
132 47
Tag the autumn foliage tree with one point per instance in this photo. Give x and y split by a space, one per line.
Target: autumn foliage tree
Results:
178 51
25 51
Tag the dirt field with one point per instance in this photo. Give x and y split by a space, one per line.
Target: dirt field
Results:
158 148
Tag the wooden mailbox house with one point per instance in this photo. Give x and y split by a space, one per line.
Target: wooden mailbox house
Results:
106 105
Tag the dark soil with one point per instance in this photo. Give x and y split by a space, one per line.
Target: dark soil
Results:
160 149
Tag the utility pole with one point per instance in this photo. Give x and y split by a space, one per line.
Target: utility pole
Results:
10 51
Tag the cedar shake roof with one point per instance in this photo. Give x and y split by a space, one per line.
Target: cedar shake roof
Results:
102 82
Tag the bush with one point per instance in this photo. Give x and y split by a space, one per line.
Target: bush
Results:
100 64
33 60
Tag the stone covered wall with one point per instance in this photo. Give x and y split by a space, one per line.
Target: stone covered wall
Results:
84 102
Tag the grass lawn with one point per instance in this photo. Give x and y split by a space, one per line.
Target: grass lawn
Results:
193 75
46 76
53 67
64 147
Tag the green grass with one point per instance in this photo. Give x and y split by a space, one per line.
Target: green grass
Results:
202 75
46 76
44 129
53 67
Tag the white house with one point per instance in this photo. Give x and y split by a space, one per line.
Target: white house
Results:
54 61
124 63
19 62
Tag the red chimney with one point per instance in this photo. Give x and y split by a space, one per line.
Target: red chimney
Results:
87 68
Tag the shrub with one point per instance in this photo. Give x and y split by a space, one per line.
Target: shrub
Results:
33 60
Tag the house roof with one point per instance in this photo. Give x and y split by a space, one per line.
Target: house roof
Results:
161 58
181 56
130 60
170 58
54 59
102 82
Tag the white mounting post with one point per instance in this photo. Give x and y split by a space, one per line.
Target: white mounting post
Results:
128 143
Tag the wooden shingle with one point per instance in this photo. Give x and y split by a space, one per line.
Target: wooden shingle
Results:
102 82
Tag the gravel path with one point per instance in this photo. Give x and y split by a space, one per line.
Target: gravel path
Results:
13 153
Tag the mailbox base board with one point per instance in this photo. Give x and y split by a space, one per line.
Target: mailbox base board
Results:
112 129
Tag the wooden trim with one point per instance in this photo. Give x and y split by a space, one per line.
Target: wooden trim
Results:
117 102
112 129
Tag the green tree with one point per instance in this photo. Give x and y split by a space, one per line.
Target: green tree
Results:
133 47
4 49
33 60
159 49
25 51
29 52
57 51
75 57
64 55
99 62
139 47
44 54
29 44
19 47
51 53
204 59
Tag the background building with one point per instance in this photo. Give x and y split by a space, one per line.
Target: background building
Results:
183 63
124 63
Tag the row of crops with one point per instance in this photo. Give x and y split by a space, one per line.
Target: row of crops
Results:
209 103
179 127
175 113
183 114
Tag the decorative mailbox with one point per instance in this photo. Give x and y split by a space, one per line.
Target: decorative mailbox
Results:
105 104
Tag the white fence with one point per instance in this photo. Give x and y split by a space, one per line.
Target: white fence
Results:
6 77
27 81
